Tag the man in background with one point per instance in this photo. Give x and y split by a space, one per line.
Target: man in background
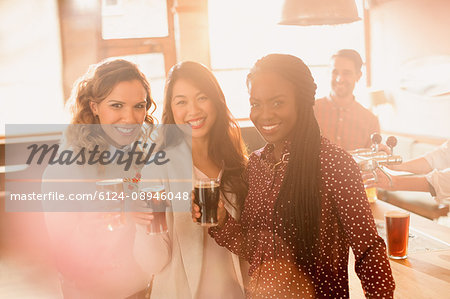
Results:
341 118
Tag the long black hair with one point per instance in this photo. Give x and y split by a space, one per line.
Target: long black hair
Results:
225 142
298 204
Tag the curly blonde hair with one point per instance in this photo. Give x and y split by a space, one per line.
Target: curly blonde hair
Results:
95 86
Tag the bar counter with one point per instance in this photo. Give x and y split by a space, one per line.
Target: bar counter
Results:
426 271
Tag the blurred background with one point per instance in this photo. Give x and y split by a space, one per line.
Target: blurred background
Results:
45 45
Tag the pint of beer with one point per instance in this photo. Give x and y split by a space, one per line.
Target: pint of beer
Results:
156 200
371 194
207 198
111 192
397 232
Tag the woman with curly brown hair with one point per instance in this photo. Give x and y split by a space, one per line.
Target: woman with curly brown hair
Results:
114 94
104 254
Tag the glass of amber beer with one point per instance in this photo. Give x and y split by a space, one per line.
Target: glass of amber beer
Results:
207 198
371 192
370 166
397 232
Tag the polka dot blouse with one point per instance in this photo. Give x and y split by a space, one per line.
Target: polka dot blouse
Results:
346 220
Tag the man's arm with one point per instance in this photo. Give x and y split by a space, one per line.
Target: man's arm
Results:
417 166
440 180
403 183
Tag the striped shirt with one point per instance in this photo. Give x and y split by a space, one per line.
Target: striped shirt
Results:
348 126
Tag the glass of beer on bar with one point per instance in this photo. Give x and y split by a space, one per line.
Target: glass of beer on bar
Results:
207 198
155 199
111 192
397 233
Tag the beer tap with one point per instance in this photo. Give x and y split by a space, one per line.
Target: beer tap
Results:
369 160
376 140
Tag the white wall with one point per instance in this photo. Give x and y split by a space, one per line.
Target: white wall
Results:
30 63
405 32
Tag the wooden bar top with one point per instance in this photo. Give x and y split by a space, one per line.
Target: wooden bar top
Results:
424 274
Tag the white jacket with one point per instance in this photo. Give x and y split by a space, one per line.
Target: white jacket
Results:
181 278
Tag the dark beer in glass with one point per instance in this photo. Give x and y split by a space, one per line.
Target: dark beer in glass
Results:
207 198
156 200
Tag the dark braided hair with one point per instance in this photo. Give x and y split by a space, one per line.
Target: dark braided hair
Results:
298 202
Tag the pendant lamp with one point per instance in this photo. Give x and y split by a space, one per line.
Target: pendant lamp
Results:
318 12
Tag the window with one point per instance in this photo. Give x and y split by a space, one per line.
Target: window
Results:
138 30
141 31
253 32
134 19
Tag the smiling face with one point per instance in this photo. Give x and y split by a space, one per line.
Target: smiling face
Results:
343 77
273 107
191 106
122 112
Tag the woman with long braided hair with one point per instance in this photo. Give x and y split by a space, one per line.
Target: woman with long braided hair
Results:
306 203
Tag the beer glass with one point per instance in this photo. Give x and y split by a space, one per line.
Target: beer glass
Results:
397 233
207 198
155 199
369 166
111 191
371 192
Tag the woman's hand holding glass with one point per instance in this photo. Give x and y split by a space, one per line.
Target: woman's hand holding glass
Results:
150 209
196 212
142 214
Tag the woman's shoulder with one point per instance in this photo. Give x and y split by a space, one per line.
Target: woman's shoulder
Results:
64 171
335 160
172 155
332 152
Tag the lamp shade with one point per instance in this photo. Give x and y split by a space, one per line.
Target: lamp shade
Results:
318 12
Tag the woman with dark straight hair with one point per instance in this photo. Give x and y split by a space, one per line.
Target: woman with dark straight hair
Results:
306 203
199 267
225 146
